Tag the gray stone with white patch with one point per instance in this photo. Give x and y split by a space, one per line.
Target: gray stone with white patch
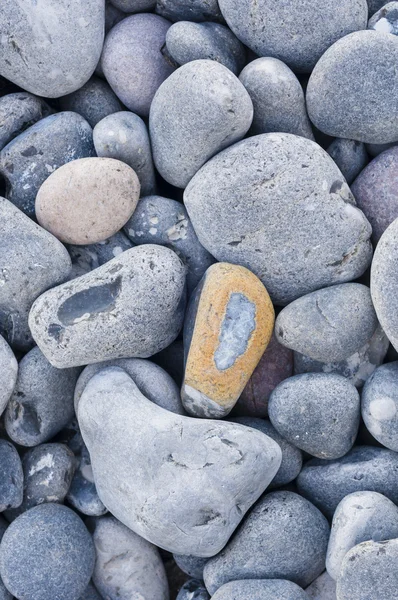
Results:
11 477
82 493
93 101
87 258
350 156
263 589
380 405
385 19
193 590
18 112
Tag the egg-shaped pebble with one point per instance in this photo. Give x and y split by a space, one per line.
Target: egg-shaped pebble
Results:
93 101
19 111
380 405
11 476
350 156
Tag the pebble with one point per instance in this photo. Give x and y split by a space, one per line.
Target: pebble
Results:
133 6
199 110
87 200
9 372
195 10
322 588
94 101
87 258
11 477
18 112
4 593
90 593
264 589
124 136
277 96
385 19
126 565
50 49
191 565
162 221
134 62
376 149
284 537
375 5
39 561
359 517
278 205
328 325
42 401
74 324
350 156
364 468
193 590
82 493
380 405
362 106
201 481
227 328
27 161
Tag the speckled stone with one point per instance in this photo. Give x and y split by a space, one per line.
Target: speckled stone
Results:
134 62
134 6
263 589
32 260
11 477
124 136
380 405
50 49
195 10
42 401
27 161
385 19
18 112
228 326
284 537
159 220
47 553
277 96
327 482
359 517
82 493
278 204
191 565
9 372
322 588
86 258
362 106
74 324
199 110
296 34
195 493
350 156
93 101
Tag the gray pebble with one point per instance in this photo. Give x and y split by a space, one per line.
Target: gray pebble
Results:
193 590
124 136
75 323
90 593
195 10
380 405
9 372
191 565
278 205
47 554
263 589
113 16
94 101
322 588
385 19
82 493
18 112
11 477
284 537
362 106
27 161
199 110
327 482
350 156
278 98
134 6
42 401
86 258
375 5
376 149
4 593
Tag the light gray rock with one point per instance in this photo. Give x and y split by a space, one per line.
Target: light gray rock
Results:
191 565
82 493
11 477
350 156
361 107
322 588
277 96
18 112
86 258
195 10
193 590
278 205
75 324
50 49
263 589
203 477
9 372
94 101
380 405
199 110
385 19
134 6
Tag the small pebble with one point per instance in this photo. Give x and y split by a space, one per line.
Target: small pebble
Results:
9 372
18 112
87 258
82 493
385 19
90 593
191 565
94 101
350 156
263 589
11 477
132 6
193 590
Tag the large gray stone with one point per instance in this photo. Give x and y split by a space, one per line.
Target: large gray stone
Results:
380 405
263 589
18 112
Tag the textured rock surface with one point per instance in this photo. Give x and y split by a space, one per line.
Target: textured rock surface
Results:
380 405
350 156
132 6
18 112
385 19
11 477
82 493
193 590
86 258
195 10
322 588
9 372
264 589
191 565
93 101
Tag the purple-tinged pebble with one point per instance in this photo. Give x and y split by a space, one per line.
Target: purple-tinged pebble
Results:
82 493
191 565
322 588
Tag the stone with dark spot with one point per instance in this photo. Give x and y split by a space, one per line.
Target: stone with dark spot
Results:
11 477
191 565
87 258
195 10
350 156
263 589
385 19
93 101
82 493
193 590
18 112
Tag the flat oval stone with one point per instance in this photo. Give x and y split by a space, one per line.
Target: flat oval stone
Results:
9 372
193 590
51 49
263 589
133 60
203 477
380 405
183 137
195 10
362 106
228 325
74 324
18 112
82 493
277 96
88 200
93 101
351 157
86 258
278 205
11 477
191 565
47 553
385 19
322 588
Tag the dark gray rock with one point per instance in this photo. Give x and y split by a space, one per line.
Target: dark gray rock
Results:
4 593
193 590
195 10
380 405
385 19
375 5
47 553
9 372
133 6
90 593
11 477
18 112
263 589
350 156
191 565
82 493
171 359
112 16
94 101
86 258
376 149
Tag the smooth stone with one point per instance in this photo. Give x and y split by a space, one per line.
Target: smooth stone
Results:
277 96
362 106
263 589
124 136
94 101
369 571
284 537
18 112
277 204
385 19
183 137
193 590
32 262
195 494
376 191
27 161
380 405
134 62
276 365
9 373
82 493
195 10
86 258
187 41
228 325
171 359
364 468
113 16
51 49
42 401
162 221
359 517
292 458
297 34
90 593
328 325
47 553
191 565
74 324
11 477
350 156
323 588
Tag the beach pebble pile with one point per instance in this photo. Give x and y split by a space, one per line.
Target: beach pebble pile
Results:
198 300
